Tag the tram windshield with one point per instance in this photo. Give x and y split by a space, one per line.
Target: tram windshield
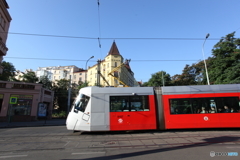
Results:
81 103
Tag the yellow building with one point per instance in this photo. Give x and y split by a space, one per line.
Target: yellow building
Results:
111 61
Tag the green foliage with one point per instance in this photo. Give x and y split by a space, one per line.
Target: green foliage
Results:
159 79
46 82
225 64
223 67
191 75
61 114
30 77
8 71
61 89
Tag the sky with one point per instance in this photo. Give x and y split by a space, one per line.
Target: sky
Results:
157 35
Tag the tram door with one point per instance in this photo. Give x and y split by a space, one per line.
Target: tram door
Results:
132 113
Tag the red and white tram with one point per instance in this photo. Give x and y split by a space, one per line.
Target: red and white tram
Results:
146 108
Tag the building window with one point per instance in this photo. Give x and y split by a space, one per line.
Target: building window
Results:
1 101
80 73
23 106
74 77
80 79
115 64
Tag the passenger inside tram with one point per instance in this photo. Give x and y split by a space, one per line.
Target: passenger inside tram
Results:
220 110
226 110
213 110
204 110
176 111
233 110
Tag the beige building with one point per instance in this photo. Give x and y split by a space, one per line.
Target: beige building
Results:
79 77
55 73
5 20
111 61
19 74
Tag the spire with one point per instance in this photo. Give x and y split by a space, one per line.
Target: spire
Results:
114 49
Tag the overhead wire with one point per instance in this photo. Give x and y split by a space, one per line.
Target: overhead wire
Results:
85 60
99 25
109 38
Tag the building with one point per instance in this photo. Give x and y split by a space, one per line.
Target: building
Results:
19 74
79 77
20 101
5 20
55 73
111 61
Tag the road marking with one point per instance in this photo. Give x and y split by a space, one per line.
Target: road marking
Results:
12 156
89 153
66 144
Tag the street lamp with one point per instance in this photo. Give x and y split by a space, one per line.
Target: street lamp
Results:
86 69
204 58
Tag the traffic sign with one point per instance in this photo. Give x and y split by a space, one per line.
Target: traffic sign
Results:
13 100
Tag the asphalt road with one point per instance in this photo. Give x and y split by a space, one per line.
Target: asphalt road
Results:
57 143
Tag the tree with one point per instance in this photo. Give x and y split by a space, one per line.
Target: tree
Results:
157 79
187 77
192 74
30 77
46 82
61 89
8 71
225 65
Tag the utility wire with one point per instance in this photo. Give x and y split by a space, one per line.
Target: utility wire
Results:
97 38
85 60
99 25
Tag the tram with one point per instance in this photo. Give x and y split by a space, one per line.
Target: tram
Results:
155 108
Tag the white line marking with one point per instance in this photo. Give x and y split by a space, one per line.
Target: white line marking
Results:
66 144
89 153
13 156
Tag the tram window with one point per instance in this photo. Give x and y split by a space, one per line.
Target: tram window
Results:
228 104
119 104
139 103
180 106
81 103
128 103
205 105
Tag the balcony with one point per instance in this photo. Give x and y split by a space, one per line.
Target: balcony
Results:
3 49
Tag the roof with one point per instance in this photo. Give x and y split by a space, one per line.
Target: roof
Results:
114 50
200 89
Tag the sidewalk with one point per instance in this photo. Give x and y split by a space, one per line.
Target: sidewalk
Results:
51 122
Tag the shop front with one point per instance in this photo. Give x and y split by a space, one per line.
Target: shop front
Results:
22 104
